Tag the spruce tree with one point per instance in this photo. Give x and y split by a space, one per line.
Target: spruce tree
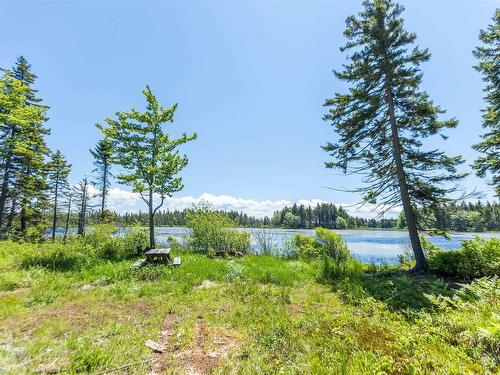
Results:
22 71
23 148
102 163
58 172
383 118
30 182
488 55
148 154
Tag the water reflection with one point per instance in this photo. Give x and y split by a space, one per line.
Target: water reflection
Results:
372 246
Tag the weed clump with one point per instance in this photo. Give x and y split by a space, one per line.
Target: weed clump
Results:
56 256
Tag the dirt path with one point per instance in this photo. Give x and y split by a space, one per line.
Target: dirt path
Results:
159 362
200 359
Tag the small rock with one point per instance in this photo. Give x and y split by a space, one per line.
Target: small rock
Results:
207 284
154 346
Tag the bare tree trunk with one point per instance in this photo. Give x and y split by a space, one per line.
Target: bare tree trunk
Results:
24 204
5 187
11 214
54 213
23 218
104 187
83 209
67 219
151 221
421 264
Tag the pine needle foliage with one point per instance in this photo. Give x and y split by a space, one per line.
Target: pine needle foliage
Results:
488 55
384 117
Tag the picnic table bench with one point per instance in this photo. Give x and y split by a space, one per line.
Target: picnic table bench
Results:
158 255
155 256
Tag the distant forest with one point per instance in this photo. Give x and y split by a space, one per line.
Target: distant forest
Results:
476 217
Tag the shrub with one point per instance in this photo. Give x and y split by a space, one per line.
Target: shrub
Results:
57 256
325 243
135 241
332 244
102 238
106 242
265 240
214 232
475 258
334 269
305 246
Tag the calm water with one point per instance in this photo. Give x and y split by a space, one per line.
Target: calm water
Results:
371 246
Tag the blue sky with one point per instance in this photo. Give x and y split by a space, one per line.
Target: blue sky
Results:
250 78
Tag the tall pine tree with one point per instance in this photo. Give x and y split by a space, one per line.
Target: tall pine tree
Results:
147 153
102 170
488 55
58 172
383 118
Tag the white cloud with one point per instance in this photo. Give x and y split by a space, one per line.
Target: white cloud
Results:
368 210
125 201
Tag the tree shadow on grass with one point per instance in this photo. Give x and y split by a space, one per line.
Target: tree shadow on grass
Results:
400 290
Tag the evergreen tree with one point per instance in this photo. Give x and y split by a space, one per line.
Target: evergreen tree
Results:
23 149
147 153
22 71
488 55
102 163
58 172
383 118
30 182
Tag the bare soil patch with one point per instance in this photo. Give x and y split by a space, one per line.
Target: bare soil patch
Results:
210 345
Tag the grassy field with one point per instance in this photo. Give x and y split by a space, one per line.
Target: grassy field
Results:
249 315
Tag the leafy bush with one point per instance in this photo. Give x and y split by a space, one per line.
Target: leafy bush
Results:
332 244
136 240
108 245
325 243
475 258
102 238
214 232
305 246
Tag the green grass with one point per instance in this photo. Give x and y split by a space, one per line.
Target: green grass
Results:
274 315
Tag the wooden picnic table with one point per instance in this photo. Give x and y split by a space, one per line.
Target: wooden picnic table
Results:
158 255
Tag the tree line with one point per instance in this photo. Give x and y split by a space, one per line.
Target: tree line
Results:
460 217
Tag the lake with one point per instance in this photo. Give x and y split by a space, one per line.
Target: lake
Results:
371 246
